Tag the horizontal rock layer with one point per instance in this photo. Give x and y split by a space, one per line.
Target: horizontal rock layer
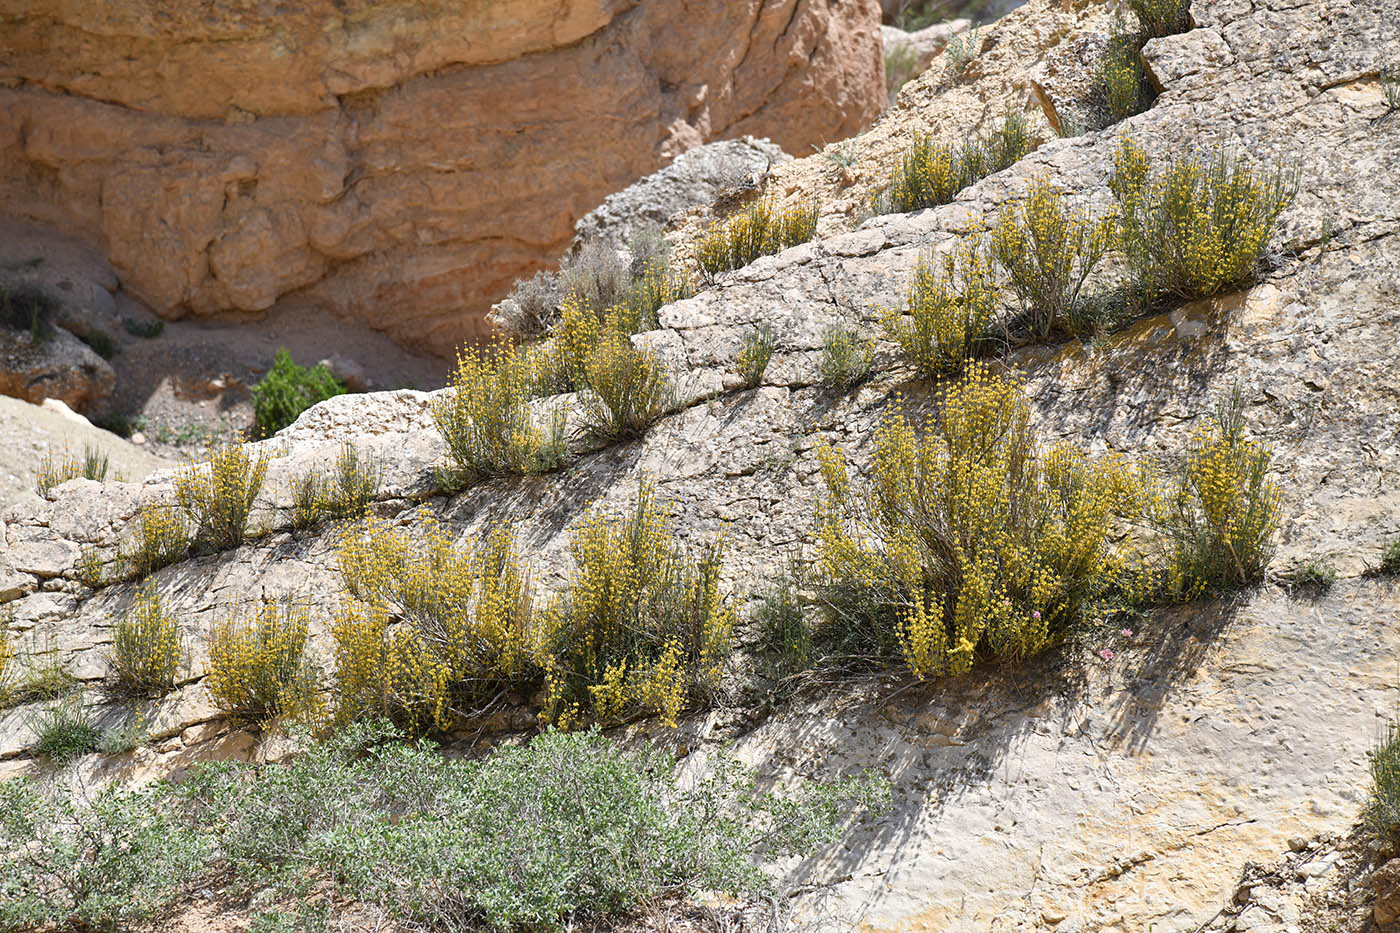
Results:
397 163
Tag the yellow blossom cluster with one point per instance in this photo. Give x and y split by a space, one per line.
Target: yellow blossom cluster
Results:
1199 226
932 173
56 471
971 537
950 308
146 648
258 669
485 419
642 628
218 497
429 628
762 229
161 537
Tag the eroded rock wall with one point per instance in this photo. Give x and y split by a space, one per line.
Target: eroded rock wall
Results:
397 163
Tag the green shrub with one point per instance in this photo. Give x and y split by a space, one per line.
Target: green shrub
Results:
217 497
1315 575
146 649
847 357
1161 17
932 173
1390 557
1199 226
642 628
288 390
101 343
120 740
754 354
1383 807
1223 511
148 330
258 669
430 630
485 419
93 466
971 539
762 229
63 733
99 864
948 312
962 50
1047 252
346 493
626 388
28 308
161 538
567 829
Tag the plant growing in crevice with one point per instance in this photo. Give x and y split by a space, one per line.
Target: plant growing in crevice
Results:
625 388
1390 558
1120 77
1316 575
217 497
346 493
948 312
29 309
258 669
846 358
1047 252
754 354
1161 17
1198 226
763 228
1382 812
642 628
932 173
64 732
146 649
161 537
53 472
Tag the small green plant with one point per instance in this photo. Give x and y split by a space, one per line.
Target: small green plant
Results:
1048 251
63 733
1199 226
1121 78
346 493
1223 511
1390 85
1316 575
54 472
627 388
784 638
754 354
762 229
962 50
116 422
125 738
486 422
1161 17
217 497
147 330
932 173
846 359
1390 558
161 537
258 669
28 308
288 390
1383 807
37 680
948 312
146 649
642 628
101 343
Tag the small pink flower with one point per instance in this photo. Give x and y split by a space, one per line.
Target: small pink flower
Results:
1036 615
1106 654
1127 633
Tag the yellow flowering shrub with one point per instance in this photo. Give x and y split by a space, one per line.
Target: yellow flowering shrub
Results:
655 287
218 497
1047 252
7 657
258 669
146 649
764 228
751 362
1223 511
949 310
160 538
429 629
932 173
642 628
1198 226
1120 76
970 538
625 389
485 420
56 471
346 493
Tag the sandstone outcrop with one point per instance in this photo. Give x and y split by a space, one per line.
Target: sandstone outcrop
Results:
1109 793
396 163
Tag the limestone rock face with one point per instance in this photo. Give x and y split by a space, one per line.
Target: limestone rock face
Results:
399 163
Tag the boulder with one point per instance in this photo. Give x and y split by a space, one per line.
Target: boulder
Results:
57 366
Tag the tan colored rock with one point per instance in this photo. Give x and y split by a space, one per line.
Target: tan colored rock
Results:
399 163
58 366
1386 885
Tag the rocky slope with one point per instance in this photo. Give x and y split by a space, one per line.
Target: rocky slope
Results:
1102 794
397 163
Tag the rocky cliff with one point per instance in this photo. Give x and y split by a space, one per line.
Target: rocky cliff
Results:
1128 792
396 163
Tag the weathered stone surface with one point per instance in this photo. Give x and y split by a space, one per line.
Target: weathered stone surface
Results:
397 163
57 366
